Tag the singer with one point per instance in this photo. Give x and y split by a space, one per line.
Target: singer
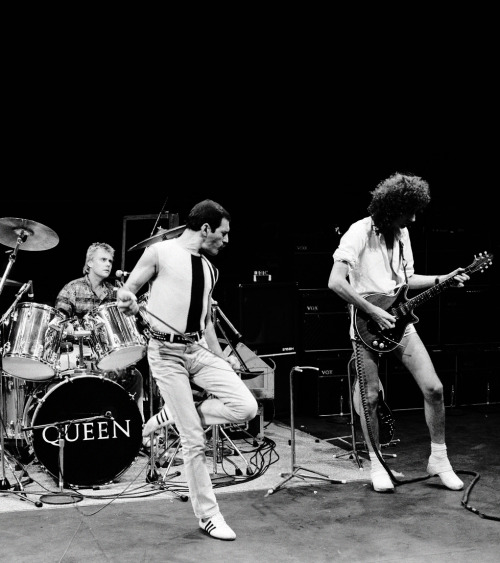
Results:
184 348
81 296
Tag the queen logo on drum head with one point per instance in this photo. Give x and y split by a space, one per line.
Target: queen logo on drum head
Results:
95 452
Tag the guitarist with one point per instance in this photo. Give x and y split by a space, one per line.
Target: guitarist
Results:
375 256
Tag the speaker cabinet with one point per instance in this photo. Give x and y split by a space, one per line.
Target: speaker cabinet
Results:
324 392
466 317
323 321
267 316
478 376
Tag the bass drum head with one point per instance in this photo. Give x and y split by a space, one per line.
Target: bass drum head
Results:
95 451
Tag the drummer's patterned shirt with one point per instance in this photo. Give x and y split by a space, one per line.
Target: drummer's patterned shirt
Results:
77 297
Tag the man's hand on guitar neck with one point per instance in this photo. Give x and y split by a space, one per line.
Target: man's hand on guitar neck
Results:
458 277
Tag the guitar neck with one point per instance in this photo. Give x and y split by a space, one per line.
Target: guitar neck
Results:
426 295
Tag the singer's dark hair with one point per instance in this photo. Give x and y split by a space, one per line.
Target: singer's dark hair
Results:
400 194
93 248
207 211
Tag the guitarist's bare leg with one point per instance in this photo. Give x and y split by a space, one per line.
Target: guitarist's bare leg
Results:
368 378
416 359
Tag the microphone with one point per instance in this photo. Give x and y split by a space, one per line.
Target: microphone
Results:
121 274
30 290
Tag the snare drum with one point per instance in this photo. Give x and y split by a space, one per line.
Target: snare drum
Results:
33 345
115 338
96 451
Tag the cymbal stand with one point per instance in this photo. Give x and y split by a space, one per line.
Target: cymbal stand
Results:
62 497
21 238
296 469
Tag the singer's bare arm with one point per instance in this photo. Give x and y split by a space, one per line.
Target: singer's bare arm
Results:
144 270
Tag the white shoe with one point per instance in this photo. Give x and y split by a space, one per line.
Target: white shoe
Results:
381 481
442 468
216 527
155 423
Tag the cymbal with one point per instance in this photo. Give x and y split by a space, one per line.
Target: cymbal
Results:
162 235
36 236
13 283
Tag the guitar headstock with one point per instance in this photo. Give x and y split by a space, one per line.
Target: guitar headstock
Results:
481 262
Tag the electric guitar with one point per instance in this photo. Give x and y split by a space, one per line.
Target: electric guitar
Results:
401 307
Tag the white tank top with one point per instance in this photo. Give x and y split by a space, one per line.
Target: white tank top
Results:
180 293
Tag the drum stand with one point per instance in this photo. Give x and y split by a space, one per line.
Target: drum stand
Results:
63 497
295 469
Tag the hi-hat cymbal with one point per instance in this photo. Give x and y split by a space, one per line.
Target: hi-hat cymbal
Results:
34 236
162 235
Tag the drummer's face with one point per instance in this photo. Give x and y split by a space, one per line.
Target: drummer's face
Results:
101 263
215 240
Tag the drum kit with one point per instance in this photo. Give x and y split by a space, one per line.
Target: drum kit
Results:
83 428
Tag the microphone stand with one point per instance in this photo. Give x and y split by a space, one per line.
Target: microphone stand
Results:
216 312
62 497
295 469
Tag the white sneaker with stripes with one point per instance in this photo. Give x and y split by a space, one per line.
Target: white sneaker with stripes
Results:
216 527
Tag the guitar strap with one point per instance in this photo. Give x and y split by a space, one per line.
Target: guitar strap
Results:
401 247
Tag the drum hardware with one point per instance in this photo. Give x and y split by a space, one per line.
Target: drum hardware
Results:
81 334
62 497
19 234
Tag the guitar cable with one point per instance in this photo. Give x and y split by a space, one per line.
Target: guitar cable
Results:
360 371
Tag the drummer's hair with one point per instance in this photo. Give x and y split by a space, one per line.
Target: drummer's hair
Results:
206 211
92 249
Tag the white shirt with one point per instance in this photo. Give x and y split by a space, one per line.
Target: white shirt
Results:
364 249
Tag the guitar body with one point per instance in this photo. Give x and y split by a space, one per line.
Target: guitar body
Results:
370 333
401 308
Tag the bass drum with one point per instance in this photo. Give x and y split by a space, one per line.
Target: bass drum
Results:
98 448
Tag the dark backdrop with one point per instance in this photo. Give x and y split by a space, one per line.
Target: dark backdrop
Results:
291 195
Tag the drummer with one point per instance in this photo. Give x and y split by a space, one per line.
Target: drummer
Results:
78 298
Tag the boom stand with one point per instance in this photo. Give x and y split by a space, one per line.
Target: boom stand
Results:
62 497
295 469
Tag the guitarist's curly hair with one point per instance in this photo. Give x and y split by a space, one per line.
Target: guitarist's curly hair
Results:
398 195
